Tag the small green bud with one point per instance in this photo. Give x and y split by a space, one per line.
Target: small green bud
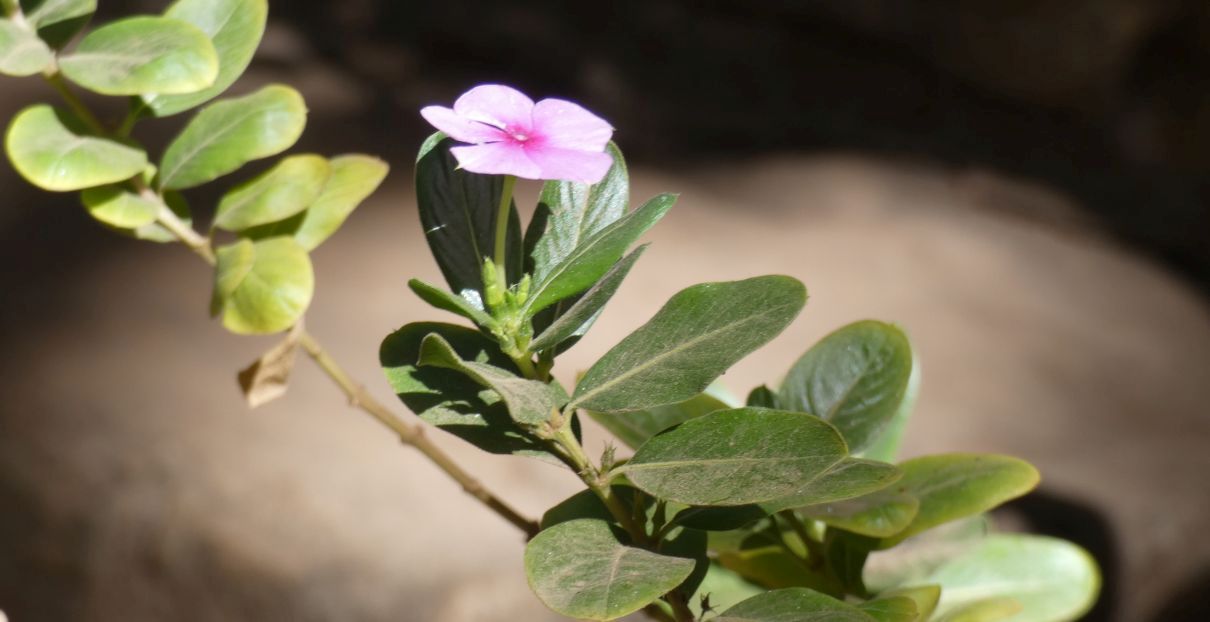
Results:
523 290
493 293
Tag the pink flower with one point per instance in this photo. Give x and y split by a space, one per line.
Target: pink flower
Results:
511 135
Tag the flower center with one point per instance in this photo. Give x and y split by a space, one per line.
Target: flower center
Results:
518 134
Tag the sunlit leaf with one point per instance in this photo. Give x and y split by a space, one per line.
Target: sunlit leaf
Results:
51 149
288 188
22 53
263 286
140 55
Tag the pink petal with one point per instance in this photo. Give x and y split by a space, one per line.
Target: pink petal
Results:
570 164
506 158
564 124
460 128
497 105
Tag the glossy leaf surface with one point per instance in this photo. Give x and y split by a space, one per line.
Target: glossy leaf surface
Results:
695 337
854 378
228 134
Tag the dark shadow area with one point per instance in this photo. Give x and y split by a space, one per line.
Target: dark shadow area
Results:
1189 604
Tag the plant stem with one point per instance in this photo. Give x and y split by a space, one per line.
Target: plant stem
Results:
409 434
502 214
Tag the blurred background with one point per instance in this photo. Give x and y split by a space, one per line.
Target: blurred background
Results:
1024 185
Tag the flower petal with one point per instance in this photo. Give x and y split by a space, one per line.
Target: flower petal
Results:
498 105
564 124
460 128
570 164
506 158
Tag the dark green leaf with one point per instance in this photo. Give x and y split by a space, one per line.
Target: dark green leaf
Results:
953 486
571 213
592 258
719 519
846 556
579 316
57 21
139 55
886 446
795 604
745 455
22 53
529 402
634 428
855 379
51 149
288 188
228 134
454 402
234 28
458 212
586 504
763 397
1051 579
262 287
695 337
582 569
446 301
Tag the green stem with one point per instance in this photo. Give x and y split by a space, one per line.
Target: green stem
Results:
526 365
56 81
502 218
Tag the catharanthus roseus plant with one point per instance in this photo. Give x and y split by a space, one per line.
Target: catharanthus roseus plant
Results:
788 506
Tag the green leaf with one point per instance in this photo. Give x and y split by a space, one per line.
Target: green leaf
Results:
230 133
579 316
234 28
924 598
586 504
529 402
748 455
695 337
51 149
140 55
886 446
1052 579
446 301
156 232
454 402
22 53
353 178
581 569
263 286
278 193
592 258
762 397
986 610
634 428
120 207
458 213
795 604
891 609
879 514
57 21
953 486
855 379
570 213
846 555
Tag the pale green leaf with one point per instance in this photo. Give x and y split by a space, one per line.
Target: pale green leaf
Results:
22 53
695 337
891 609
263 286
139 55
120 207
52 150
879 514
352 179
228 134
953 486
855 379
581 569
288 188
234 28
57 21
1052 580
991 609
